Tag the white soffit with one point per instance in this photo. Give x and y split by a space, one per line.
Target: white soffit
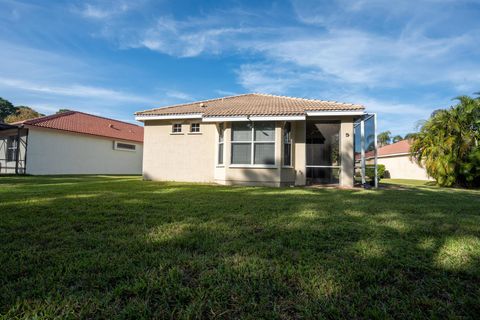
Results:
253 118
169 117
334 113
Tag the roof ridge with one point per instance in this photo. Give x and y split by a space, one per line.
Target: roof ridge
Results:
47 117
93 115
306 99
196 102
37 120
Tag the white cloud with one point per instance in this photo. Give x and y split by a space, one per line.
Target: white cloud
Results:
349 56
255 79
74 90
175 94
102 11
185 38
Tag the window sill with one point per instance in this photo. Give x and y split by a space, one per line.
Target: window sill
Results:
253 166
176 133
287 167
195 133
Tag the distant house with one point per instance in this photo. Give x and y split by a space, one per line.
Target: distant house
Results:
396 158
71 143
252 139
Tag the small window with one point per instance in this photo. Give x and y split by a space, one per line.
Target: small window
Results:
195 127
177 128
124 146
12 146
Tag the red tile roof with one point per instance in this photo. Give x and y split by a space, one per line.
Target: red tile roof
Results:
394 148
252 104
401 147
79 122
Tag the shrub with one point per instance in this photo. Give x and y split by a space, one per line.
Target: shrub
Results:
370 171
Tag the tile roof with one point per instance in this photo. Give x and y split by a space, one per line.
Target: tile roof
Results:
401 147
252 104
394 148
79 122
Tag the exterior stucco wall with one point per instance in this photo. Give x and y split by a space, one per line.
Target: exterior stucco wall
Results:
179 157
193 157
401 167
347 153
57 152
300 153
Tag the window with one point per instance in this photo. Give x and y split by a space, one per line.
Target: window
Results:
124 146
287 144
195 127
220 143
12 146
177 128
253 143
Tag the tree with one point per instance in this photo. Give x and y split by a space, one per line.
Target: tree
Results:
397 138
62 110
448 144
6 109
409 136
384 138
22 113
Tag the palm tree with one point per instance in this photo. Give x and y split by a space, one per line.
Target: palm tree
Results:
397 138
448 144
409 136
384 138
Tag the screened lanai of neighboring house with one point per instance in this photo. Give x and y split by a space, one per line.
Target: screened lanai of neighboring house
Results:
13 147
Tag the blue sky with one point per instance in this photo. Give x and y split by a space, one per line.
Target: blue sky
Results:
401 59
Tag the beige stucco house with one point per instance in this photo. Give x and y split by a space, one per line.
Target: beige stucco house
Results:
71 143
251 139
398 163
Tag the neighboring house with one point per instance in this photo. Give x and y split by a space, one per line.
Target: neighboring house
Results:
71 143
396 158
251 139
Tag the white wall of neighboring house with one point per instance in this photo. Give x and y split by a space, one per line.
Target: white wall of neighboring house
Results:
401 167
52 151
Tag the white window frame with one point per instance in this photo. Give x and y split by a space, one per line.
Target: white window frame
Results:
252 143
221 142
191 127
173 128
116 147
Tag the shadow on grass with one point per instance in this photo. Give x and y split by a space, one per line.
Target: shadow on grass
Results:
109 247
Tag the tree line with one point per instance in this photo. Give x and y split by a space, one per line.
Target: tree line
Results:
10 113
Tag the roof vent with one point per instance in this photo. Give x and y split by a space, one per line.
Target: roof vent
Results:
110 125
203 105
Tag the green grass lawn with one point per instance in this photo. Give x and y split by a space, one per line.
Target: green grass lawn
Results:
105 247
409 182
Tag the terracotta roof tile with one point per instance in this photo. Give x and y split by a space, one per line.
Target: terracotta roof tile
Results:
252 104
401 147
394 148
79 122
